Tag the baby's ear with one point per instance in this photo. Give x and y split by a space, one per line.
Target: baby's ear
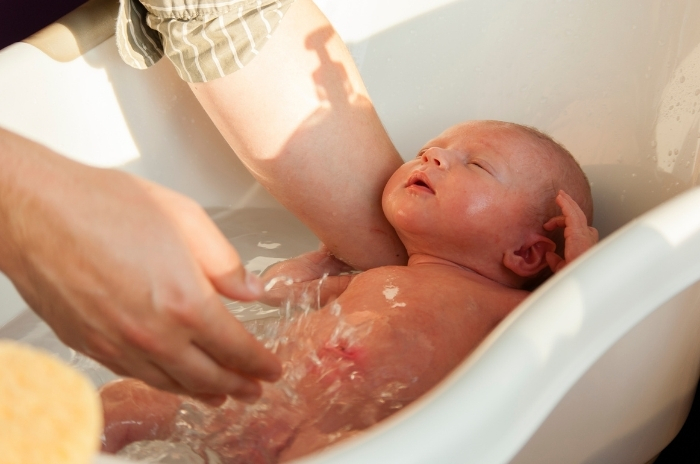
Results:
530 258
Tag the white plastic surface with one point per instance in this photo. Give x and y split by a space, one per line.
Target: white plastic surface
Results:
617 82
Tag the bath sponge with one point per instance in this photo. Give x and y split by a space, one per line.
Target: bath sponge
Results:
49 412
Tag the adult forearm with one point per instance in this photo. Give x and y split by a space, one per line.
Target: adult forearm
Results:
20 164
300 119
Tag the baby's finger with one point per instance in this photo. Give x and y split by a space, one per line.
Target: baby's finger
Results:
571 210
559 221
593 232
554 261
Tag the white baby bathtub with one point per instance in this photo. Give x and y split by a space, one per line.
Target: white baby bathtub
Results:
598 365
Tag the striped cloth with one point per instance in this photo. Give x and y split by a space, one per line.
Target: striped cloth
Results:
204 39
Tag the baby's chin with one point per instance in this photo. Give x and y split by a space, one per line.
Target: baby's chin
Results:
407 217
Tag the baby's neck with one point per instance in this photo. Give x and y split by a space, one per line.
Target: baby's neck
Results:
421 259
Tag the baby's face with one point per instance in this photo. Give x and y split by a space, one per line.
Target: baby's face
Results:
468 193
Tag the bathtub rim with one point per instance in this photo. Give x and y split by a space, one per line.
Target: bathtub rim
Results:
360 449
485 342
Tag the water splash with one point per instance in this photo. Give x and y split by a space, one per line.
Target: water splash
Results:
316 399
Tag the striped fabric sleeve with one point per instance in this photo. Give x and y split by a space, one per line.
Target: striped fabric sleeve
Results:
204 41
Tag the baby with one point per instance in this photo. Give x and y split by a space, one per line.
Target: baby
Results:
481 211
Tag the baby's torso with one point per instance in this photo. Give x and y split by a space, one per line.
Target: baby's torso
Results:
401 329
398 331
438 300
433 311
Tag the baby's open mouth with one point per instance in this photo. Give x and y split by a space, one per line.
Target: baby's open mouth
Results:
420 181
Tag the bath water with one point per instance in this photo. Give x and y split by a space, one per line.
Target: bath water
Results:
243 433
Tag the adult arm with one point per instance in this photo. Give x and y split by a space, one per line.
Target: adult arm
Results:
126 272
300 119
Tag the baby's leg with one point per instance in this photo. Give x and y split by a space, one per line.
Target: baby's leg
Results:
133 411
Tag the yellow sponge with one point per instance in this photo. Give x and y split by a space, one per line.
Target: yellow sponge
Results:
49 412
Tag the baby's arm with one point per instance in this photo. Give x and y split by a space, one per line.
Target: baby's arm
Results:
305 270
578 235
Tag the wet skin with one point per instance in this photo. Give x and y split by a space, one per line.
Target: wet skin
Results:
461 210
397 331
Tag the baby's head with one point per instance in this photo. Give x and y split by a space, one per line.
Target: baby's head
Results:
479 195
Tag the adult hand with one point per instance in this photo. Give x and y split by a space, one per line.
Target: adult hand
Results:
578 235
128 273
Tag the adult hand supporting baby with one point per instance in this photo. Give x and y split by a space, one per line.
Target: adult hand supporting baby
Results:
127 272
578 235
300 119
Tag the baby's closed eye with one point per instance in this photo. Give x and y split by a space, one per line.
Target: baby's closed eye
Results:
483 165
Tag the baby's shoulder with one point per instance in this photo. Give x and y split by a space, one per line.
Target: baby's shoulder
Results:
418 279
405 275
419 288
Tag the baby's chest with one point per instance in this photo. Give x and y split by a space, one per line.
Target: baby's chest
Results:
446 315
410 294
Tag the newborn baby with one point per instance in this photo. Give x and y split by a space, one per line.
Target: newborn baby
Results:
481 211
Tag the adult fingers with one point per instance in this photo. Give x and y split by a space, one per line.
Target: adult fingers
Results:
183 366
212 400
218 260
224 339
134 365
202 377
194 374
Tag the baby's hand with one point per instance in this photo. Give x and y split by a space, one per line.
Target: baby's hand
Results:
578 236
304 269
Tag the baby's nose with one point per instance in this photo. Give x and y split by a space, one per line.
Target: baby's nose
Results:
437 156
